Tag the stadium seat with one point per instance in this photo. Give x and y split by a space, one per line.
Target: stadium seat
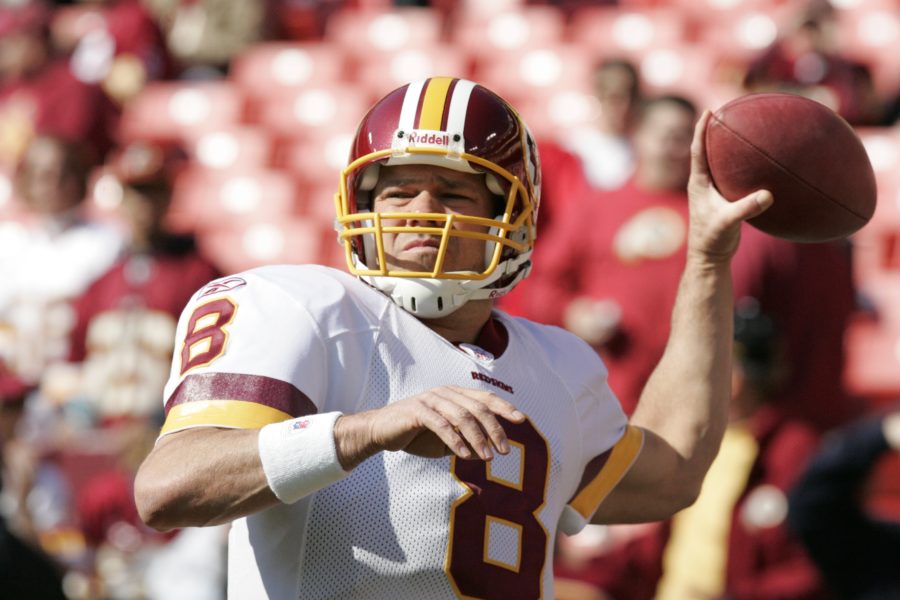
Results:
383 72
877 245
540 72
208 199
514 30
367 32
736 37
873 358
313 160
552 115
231 147
174 111
264 242
677 68
605 31
278 67
870 34
315 111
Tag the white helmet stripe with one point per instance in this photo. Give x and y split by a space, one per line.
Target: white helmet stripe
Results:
459 104
410 104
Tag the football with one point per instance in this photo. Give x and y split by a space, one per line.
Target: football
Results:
804 153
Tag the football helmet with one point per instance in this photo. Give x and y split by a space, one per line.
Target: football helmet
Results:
456 124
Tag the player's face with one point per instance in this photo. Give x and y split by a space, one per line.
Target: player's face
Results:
431 189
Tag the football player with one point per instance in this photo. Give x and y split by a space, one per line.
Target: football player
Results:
387 433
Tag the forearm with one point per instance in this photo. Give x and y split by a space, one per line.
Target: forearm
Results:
685 402
202 477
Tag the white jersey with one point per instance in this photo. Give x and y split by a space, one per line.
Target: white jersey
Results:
280 342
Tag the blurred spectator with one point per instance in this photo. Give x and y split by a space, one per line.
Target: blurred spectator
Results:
204 36
605 149
49 258
39 93
856 549
25 571
303 19
125 321
807 60
612 272
114 43
563 188
808 290
737 528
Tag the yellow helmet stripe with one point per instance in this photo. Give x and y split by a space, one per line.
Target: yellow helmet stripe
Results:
433 104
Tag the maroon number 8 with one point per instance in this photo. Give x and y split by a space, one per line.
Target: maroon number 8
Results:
491 500
206 326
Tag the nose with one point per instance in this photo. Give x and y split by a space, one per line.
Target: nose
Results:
424 202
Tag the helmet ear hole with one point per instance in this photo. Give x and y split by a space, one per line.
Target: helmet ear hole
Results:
493 184
368 178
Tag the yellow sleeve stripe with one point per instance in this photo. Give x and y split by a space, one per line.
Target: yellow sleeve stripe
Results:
623 454
222 413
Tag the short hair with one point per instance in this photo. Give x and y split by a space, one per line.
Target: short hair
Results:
622 64
676 100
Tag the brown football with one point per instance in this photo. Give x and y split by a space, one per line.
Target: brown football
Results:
804 153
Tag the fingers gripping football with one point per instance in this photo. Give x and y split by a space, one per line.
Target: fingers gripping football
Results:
715 222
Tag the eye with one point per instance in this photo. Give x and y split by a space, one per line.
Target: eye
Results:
456 197
396 194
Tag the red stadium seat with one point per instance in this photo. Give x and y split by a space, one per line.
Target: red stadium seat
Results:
877 245
552 115
736 37
279 67
677 68
314 160
368 32
263 242
315 111
205 199
515 30
539 72
172 111
381 73
870 34
873 357
231 147
606 31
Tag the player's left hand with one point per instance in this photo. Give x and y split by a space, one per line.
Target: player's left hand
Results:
715 223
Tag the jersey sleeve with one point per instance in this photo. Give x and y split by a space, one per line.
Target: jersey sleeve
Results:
609 445
252 350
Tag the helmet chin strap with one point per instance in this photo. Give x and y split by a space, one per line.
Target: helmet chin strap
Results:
428 298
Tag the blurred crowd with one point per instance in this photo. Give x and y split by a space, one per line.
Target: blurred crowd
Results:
149 146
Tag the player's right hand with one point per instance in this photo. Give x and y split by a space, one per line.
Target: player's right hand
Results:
440 421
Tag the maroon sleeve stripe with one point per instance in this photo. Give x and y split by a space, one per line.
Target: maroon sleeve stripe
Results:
258 389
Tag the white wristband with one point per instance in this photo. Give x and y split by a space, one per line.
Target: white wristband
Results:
299 456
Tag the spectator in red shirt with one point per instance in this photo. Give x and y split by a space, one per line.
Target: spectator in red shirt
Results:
39 94
134 306
612 270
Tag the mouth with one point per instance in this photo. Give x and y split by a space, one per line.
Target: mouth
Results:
422 243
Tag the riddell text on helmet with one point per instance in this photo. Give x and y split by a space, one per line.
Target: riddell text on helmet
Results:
427 138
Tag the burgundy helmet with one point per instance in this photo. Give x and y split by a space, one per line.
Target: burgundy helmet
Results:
454 124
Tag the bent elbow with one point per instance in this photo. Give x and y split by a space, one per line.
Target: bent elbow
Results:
154 503
684 498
